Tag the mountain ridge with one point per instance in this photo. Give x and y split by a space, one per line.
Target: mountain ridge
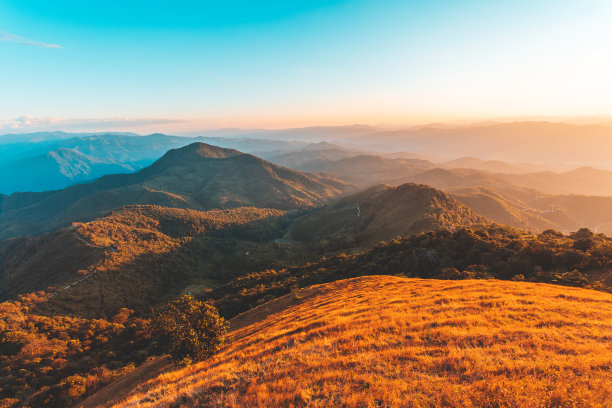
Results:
197 176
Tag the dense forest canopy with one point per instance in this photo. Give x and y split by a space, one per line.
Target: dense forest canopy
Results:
481 252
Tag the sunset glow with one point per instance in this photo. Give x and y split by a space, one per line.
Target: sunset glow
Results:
194 65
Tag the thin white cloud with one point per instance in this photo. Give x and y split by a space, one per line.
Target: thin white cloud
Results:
12 38
30 123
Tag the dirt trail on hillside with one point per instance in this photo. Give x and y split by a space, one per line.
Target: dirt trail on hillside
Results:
119 388
116 389
83 240
80 238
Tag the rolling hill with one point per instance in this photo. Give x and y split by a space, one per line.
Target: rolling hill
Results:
381 213
535 211
111 257
135 257
391 341
367 170
296 158
197 176
504 209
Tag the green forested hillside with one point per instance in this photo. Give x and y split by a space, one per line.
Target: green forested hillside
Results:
481 252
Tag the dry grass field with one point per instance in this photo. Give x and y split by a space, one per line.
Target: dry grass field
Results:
383 341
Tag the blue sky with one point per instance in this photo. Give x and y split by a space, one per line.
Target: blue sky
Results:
188 65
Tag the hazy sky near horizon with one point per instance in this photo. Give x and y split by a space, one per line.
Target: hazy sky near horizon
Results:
186 65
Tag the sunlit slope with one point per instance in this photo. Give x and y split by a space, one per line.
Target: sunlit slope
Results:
535 211
133 257
390 341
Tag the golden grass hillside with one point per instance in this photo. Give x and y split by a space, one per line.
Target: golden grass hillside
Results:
397 342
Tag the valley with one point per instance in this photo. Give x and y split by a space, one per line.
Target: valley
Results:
84 269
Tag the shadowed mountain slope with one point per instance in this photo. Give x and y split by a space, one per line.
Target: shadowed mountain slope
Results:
197 176
135 255
381 213
55 160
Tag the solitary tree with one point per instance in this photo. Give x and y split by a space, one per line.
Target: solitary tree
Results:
190 330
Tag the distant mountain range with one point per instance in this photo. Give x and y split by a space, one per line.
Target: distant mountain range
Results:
526 153
535 201
493 166
54 160
297 158
559 146
367 169
197 176
517 194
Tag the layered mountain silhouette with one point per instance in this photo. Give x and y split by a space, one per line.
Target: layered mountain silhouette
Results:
55 160
534 211
535 201
493 166
197 176
298 158
57 169
366 169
